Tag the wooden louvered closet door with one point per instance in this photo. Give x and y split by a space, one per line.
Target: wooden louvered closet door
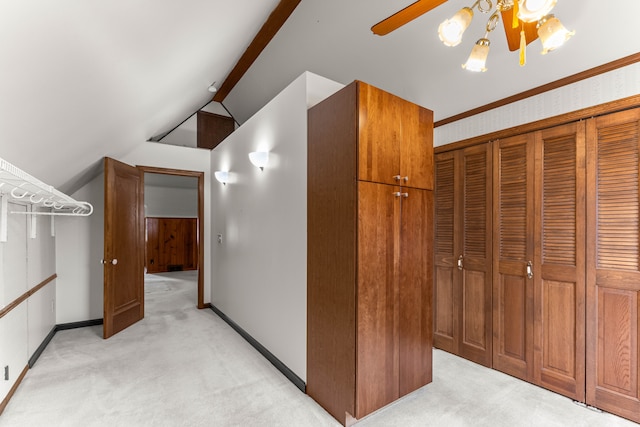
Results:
475 306
463 313
613 258
513 220
559 261
446 246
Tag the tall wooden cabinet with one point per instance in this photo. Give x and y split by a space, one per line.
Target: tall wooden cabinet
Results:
462 289
370 213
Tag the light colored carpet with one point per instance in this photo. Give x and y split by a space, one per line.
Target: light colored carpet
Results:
185 367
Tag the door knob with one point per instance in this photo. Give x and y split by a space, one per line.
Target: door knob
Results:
460 263
529 270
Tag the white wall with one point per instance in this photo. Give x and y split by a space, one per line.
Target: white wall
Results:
259 268
607 87
171 202
25 262
79 249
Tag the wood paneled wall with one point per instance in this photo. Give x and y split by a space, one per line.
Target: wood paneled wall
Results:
172 244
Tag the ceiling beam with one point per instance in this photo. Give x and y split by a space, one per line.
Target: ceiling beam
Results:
271 26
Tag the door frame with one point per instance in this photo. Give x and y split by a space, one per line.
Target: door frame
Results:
200 240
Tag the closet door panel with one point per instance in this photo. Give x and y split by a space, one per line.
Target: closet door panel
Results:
513 250
377 297
559 266
475 225
613 256
416 293
474 313
557 359
447 249
445 318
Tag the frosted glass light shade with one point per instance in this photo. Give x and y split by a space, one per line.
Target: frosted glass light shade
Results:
534 10
451 30
552 33
222 176
259 159
478 57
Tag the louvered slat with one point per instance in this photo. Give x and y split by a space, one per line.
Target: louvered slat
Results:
444 172
559 201
475 205
513 202
617 197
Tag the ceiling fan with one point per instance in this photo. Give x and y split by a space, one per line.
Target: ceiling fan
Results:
523 21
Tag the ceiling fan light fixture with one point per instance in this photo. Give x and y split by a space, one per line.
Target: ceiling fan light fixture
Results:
451 30
534 10
478 58
552 33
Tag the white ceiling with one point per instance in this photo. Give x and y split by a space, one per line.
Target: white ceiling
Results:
81 79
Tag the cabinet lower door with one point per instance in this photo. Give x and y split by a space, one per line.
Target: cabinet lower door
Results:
613 259
377 297
415 329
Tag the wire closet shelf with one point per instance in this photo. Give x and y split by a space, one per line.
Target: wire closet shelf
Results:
19 187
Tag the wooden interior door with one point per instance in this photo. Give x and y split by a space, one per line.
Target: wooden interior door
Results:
377 297
613 258
559 265
513 251
446 249
474 225
415 315
123 247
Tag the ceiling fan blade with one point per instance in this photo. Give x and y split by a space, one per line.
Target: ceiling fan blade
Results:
407 14
513 34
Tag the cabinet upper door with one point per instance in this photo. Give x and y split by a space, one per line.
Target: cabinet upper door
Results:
395 143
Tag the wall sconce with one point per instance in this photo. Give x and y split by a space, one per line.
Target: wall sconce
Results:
222 177
259 159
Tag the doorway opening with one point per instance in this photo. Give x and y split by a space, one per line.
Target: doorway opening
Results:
191 253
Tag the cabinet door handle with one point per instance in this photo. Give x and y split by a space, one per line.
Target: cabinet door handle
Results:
397 177
405 195
397 193
460 262
529 270
406 179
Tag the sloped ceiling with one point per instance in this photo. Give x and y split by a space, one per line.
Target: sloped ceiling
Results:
81 79
332 38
